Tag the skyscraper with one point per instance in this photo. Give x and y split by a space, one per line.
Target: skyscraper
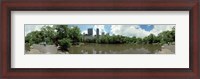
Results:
97 32
103 33
90 31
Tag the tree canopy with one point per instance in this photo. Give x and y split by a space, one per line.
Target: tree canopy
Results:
60 35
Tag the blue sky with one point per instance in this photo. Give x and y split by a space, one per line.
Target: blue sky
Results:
107 27
147 27
103 28
138 30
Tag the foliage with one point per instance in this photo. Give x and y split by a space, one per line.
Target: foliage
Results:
64 43
34 37
60 35
75 35
27 47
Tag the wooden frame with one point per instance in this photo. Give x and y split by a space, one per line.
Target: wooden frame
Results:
99 5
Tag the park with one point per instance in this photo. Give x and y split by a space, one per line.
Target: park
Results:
65 39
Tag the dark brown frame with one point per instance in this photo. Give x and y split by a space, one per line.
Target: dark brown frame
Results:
193 72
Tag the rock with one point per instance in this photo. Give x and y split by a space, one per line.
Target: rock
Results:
34 51
167 49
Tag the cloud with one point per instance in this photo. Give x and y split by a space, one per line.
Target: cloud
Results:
84 32
128 30
100 27
160 28
136 30
33 27
30 28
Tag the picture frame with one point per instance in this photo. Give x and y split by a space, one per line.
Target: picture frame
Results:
100 5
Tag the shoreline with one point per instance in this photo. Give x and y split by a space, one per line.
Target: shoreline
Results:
167 49
52 49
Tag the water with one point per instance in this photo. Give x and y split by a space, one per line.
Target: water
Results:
92 48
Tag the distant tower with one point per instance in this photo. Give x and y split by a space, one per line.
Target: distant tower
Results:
107 34
90 31
97 32
102 33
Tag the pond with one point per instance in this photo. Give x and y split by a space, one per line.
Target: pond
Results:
92 48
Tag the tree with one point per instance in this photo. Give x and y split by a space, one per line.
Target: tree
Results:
62 31
139 40
167 36
48 34
173 34
64 44
34 37
151 38
75 35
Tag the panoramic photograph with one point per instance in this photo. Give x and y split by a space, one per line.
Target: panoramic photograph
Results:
99 38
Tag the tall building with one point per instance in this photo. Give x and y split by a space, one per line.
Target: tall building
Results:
90 31
89 35
102 33
97 32
107 33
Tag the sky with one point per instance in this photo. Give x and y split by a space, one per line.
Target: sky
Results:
138 30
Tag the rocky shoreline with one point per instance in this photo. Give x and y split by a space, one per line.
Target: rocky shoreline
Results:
167 49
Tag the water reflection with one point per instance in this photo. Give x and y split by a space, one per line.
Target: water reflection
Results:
90 48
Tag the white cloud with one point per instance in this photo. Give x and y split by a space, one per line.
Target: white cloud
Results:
128 30
160 28
135 30
33 27
84 32
100 27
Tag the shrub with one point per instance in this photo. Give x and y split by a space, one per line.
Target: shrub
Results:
64 44
27 47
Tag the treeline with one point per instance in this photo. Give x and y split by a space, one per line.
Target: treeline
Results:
64 36
60 35
162 38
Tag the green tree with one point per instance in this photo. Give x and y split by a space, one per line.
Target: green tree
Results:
48 34
33 37
64 43
139 41
151 38
62 31
75 35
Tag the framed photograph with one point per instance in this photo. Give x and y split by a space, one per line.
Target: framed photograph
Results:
137 39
